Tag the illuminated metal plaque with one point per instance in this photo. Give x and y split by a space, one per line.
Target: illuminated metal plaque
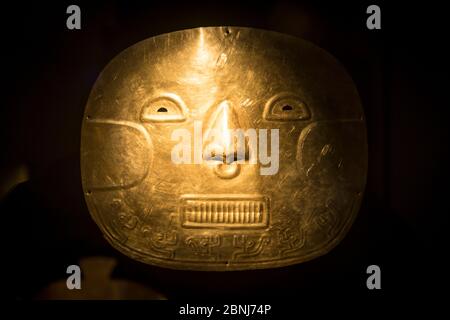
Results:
217 208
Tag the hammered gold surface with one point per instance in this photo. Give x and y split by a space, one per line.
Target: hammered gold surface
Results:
223 215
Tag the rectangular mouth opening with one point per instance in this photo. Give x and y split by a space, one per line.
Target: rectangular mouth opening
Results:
224 211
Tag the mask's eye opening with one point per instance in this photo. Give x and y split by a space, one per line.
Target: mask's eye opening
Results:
286 107
168 108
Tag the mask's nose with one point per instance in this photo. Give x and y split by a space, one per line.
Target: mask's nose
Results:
224 143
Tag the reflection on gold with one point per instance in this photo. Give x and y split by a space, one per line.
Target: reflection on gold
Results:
203 56
201 63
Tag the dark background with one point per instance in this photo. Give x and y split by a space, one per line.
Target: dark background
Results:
47 74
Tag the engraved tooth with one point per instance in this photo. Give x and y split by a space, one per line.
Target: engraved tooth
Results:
226 213
258 212
258 206
203 207
252 217
247 214
208 216
220 211
197 213
230 212
241 211
237 205
238 212
214 212
261 209
204 212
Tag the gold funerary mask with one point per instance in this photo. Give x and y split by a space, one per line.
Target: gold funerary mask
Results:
165 179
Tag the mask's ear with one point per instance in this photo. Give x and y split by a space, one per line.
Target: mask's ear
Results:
330 152
116 154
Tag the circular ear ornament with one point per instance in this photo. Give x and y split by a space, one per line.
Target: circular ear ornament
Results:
223 148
